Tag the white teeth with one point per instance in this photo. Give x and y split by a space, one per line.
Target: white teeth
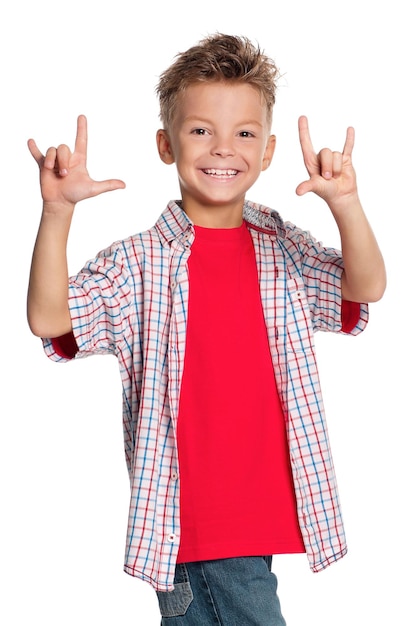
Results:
215 172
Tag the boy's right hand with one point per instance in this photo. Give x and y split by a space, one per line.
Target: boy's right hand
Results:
64 177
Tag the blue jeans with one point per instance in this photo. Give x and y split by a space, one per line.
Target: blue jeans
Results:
225 592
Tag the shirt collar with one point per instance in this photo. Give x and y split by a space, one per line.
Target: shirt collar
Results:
264 219
174 222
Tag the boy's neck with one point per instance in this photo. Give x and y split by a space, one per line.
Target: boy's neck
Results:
215 217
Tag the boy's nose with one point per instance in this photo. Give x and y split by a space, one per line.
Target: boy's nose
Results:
223 148
224 152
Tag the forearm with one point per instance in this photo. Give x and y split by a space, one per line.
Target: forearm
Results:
364 278
47 304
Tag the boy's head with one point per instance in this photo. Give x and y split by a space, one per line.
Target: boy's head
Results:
217 58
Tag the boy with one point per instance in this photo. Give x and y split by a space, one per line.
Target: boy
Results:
211 315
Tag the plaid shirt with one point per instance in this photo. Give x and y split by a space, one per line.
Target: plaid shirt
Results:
131 301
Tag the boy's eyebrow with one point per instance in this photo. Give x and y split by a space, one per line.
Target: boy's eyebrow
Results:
196 118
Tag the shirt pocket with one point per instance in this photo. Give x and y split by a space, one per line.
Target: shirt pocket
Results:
298 319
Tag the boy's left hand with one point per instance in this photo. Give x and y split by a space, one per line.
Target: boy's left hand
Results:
332 176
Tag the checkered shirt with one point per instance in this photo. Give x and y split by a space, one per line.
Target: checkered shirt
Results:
131 301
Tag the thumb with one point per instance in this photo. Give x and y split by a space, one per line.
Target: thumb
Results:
304 187
103 186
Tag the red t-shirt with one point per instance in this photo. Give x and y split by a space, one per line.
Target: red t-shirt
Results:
237 496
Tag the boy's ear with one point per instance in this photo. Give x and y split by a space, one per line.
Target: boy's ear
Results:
164 147
268 152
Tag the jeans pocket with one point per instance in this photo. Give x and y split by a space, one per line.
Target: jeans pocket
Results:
175 603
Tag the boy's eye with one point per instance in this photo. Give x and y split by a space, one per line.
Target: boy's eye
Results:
245 133
199 131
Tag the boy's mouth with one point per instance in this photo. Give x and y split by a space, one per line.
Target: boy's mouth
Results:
228 173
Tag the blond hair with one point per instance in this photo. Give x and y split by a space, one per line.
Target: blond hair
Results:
217 58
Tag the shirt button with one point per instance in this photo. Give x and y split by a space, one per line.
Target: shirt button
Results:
174 476
171 537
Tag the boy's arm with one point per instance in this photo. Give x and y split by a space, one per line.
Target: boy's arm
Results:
47 302
332 177
64 181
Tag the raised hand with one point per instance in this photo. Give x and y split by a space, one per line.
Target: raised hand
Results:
64 176
332 176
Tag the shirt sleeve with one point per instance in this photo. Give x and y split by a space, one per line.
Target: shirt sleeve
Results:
65 346
321 273
99 304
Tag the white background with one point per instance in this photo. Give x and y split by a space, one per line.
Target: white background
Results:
64 487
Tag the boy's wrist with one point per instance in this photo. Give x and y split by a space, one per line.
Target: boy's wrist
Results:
346 206
60 210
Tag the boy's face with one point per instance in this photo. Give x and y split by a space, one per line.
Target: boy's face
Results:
219 139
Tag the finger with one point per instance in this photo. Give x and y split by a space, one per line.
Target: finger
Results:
50 159
325 158
349 142
308 152
35 152
337 162
63 155
304 136
81 139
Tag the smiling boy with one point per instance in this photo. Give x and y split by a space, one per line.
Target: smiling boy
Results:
220 141
211 314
